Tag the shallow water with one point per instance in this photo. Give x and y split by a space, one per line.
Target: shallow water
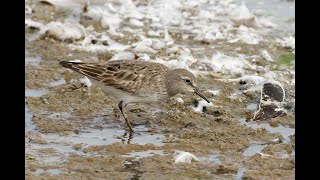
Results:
57 83
35 92
284 131
33 60
252 106
105 136
253 149
240 173
51 171
29 126
211 159
203 41
63 144
142 154
283 14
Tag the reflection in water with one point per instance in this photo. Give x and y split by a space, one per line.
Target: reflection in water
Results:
127 137
140 129
63 144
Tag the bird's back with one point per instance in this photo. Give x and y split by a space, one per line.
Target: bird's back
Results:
138 78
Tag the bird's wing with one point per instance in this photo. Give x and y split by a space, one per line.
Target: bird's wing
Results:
119 74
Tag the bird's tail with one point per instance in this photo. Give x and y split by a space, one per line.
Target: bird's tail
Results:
88 69
69 64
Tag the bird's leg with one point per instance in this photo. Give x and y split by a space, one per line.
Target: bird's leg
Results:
125 116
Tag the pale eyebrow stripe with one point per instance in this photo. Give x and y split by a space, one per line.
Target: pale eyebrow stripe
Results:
185 77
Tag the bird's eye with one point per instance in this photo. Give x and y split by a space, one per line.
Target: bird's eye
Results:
187 80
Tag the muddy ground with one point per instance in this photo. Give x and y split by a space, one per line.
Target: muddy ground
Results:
73 132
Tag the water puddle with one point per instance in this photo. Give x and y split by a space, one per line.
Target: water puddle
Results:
143 154
60 148
51 171
57 83
62 145
47 159
253 149
279 14
282 155
252 106
33 60
51 153
105 136
34 92
240 173
29 126
284 131
211 159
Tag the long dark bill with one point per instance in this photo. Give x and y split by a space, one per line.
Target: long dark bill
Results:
201 95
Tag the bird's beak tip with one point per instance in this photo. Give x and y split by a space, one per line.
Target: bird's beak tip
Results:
201 95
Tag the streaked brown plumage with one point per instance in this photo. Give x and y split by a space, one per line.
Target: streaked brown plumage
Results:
133 81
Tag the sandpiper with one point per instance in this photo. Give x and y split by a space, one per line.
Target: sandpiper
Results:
133 81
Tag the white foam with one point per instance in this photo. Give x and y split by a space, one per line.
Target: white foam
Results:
157 44
245 34
214 92
270 75
266 22
168 12
242 16
200 105
112 45
66 3
145 47
123 56
73 8
64 30
213 33
136 22
289 42
204 20
266 55
154 33
222 63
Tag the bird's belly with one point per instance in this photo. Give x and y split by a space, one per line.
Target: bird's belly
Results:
127 97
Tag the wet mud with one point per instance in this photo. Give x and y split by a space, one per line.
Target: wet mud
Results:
76 132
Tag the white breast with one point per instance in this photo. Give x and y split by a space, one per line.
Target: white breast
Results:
126 97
